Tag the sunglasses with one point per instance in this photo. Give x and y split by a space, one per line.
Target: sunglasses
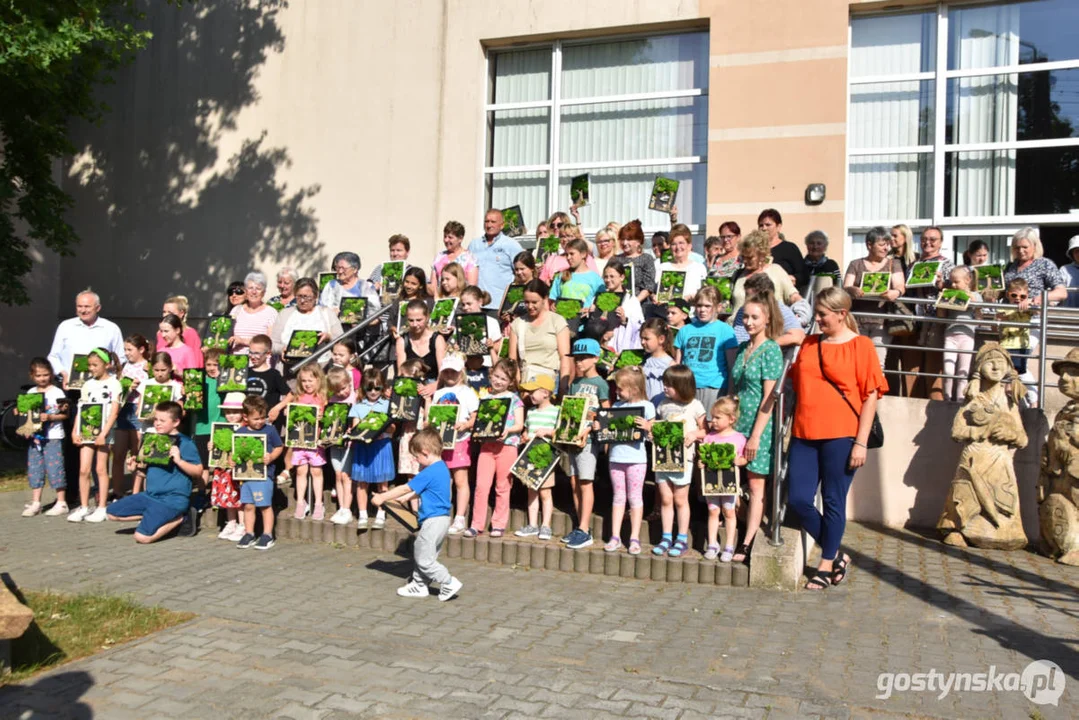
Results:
237 291
557 225
1017 296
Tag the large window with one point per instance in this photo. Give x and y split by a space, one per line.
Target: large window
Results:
965 115
623 110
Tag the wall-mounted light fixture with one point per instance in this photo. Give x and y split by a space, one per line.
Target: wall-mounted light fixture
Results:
814 193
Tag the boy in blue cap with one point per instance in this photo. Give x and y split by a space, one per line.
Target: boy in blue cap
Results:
581 463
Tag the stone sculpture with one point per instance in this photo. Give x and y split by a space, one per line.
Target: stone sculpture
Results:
1058 483
982 507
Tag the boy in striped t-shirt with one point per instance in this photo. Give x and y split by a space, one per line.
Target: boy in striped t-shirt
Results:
540 421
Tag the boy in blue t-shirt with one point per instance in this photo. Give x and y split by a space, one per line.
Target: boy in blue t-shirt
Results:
259 493
162 507
432 486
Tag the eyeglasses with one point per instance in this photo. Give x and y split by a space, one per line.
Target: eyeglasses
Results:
557 225
305 297
258 353
727 238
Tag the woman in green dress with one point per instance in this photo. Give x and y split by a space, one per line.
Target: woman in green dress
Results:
756 370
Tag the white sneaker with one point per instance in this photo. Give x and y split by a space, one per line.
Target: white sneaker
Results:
380 522
361 522
237 533
449 589
31 509
227 531
458 526
57 509
79 514
342 517
414 590
98 515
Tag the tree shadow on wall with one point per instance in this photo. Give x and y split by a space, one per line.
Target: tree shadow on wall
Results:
169 197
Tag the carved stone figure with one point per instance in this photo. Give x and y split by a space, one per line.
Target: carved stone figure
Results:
1058 484
982 507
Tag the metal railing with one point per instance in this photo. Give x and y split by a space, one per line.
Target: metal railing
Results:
350 333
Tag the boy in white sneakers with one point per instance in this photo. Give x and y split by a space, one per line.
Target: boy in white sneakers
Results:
432 486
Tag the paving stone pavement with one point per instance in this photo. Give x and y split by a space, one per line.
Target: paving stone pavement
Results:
316 631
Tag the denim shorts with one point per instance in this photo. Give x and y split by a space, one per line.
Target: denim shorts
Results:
154 512
257 492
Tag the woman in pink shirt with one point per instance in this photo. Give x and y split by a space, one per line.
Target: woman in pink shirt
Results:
555 264
452 236
253 317
177 305
183 357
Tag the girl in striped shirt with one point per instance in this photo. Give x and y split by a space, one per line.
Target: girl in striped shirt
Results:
540 421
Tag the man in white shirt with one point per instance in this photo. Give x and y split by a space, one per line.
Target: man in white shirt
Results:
83 333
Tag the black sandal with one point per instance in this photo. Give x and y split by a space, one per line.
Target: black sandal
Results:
839 570
819 581
741 554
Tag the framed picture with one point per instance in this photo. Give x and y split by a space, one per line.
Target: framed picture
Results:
629 273
607 303
629 358
668 447
79 372
301 344
194 389
513 222
666 256
672 285
923 274
91 421
953 299
664 194
31 407
719 474
511 299
570 309
535 463
405 400
221 444
370 427
618 425
301 426
331 431
573 421
353 311
444 419
442 314
248 454
492 418
578 190
324 279
989 277
401 313
472 333
393 274
722 286
875 284
606 361
233 377
546 247
218 333
154 449
152 394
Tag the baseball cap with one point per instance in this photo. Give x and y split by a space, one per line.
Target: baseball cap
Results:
540 382
453 362
585 347
233 401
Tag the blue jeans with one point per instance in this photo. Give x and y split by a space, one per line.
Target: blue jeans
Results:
822 462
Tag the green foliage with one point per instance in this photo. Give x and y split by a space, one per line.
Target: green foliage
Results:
668 434
672 283
568 308
222 437
472 333
608 301
550 245
155 448
80 364
233 373
665 185
193 378
324 279
219 332
717 456
248 449
954 296
302 343
442 312
27 402
722 286
125 384
492 415
276 305
628 277
666 256
393 272
515 294
623 423
302 414
876 283
578 190
152 394
629 358
512 221
353 310
334 419
570 416
52 56
90 420
439 415
540 455
924 273
406 387
989 277
373 422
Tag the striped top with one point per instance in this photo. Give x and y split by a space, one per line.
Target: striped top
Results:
541 419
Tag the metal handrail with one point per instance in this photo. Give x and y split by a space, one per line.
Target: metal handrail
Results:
356 329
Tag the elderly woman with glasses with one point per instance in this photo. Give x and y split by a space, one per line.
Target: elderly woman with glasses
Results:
253 317
286 290
307 314
348 283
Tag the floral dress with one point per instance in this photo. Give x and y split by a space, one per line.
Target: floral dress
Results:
750 371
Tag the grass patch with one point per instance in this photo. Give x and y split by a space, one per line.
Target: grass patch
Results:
69 627
13 479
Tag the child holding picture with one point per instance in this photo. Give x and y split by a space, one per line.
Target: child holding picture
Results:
45 455
656 342
721 430
103 388
625 328
432 486
1016 340
628 462
453 389
343 355
224 491
372 463
171 329
497 456
258 494
137 352
339 384
540 421
959 336
210 412
583 460
576 282
311 388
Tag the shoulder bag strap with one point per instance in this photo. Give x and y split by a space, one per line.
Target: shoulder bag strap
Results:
820 357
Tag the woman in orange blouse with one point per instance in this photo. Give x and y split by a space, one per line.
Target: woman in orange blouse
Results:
829 451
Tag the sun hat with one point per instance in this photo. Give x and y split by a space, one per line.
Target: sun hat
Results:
233 401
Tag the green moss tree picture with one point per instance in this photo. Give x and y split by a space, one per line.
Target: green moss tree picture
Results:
301 426
535 463
91 420
719 475
219 332
876 283
79 372
572 415
155 449
405 399
546 247
608 302
30 407
334 423
629 358
442 314
249 454
194 389
233 376
472 333
492 418
569 309
512 299
370 427
672 285
668 446
664 194
152 394
301 344
618 424
221 444
353 310
444 419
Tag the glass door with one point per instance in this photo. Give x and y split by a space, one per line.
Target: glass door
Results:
998 240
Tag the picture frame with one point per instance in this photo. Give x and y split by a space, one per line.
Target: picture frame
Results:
91 421
233 377
301 426
536 462
546 247
154 449
352 311
301 345
618 425
579 187
405 400
605 362
442 314
875 284
989 277
334 424
30 406
513 222
570 310
370 427
324 279
221 445
629 275
218 332
401 313
511 299
152 394
672 285
607 304
668 446
664 194
393 274
79 372
492 418
923 274
719 473
471 334
953 299
629 358
573 420
443 418
194 389
723 287
248 453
